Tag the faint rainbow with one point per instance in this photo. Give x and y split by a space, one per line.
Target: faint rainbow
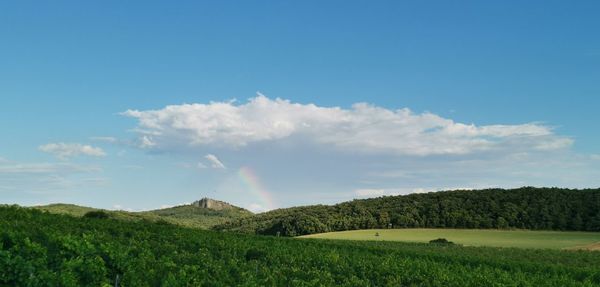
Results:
252 182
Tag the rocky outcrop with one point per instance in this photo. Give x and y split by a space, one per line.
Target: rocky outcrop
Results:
212 204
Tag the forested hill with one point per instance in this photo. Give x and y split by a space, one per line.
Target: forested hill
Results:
526 208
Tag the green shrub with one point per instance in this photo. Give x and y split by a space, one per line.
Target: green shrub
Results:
441 241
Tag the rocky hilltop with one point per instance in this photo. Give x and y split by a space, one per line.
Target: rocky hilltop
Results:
212 204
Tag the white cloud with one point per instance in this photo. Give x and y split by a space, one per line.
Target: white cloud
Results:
256 208
119 207
363 128
376 192
214 161
146 142
164 206
420 190
369 192
64 151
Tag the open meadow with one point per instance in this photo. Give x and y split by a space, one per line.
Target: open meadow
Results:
475 237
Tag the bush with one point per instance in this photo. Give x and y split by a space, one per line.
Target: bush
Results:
441 241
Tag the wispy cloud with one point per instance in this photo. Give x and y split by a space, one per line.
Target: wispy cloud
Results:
105 139
42 177
32 168
65 151
214 161
146 142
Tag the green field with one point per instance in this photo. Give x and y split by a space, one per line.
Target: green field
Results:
474 237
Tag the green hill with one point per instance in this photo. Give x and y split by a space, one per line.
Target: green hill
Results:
197 214
43 249
522 208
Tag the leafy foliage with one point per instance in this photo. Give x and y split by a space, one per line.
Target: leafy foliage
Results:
42 249
524 208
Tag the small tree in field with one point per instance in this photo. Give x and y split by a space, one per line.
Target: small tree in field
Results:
443 241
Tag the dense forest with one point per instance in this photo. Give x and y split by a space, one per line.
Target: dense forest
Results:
42 249
524 208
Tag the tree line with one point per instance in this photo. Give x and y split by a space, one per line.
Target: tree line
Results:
522 208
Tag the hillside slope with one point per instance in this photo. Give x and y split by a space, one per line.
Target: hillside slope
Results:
197 214
524 208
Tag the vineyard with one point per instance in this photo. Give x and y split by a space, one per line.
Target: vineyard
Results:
42 249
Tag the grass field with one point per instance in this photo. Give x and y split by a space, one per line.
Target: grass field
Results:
476 237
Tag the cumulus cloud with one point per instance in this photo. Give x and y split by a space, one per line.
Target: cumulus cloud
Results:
64 151
214 161
362 128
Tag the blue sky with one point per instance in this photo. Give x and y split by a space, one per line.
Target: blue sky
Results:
466 94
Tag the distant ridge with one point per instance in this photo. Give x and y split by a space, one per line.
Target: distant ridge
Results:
203 213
